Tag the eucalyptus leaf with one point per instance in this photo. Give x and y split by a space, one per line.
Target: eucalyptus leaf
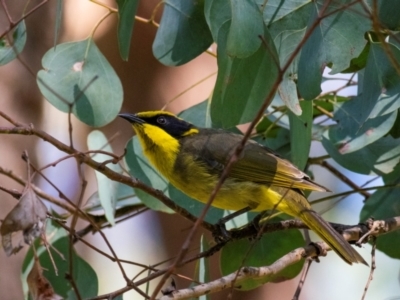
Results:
286 43
378 158
300 134
203 266
126 18
217 13
245 30
242 84
350 134
372 114
13 44
276 10
388 14
125 197
57 29
336 40
77 77
183 33
84 276
107 188
288 32
197 114
380 92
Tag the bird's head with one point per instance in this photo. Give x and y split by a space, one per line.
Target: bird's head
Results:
159 127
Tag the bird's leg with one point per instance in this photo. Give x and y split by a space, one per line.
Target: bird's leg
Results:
220 233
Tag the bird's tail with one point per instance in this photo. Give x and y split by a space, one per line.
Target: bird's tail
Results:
331 237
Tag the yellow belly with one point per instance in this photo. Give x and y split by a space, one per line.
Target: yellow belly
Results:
234 195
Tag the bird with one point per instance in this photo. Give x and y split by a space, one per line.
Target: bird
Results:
192 159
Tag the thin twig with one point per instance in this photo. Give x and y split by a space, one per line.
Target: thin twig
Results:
15 23
373 267
345 179
303 277
86 159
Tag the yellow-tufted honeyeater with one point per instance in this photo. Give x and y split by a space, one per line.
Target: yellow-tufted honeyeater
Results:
193 158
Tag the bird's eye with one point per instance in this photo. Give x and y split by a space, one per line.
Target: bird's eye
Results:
161 120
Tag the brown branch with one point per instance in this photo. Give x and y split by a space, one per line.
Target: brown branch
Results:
379 227
302 280
311 251
100 167
350 233
15 23
373 267
245 273
344 178
13 193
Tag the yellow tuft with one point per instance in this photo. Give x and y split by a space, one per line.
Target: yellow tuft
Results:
153 113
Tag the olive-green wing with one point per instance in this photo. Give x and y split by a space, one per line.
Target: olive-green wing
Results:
256 163
260 165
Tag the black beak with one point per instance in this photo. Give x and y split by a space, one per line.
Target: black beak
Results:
132 118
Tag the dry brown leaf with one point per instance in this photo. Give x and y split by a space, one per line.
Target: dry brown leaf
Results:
29 216
39 287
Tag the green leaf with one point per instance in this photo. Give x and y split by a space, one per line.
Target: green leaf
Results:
59 11
384 204
276 10
197 114
9 49
267 250
83 274
300 134
286 42
107 188
388 14
287 30
395 131
217 13
203 266
378 158
381 83
125 197
273 137
336 40
371 114
351 134
358 63
126 18
246 28
289 15
183 33
242 84
77 75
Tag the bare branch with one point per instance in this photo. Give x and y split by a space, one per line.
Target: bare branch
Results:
313 250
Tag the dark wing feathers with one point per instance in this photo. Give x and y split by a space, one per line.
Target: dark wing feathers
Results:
256 163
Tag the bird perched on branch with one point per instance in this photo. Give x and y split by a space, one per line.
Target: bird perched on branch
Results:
193 159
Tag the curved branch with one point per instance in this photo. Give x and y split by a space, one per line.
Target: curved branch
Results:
100 167
376 228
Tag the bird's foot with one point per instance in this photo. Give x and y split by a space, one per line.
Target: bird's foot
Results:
220 233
